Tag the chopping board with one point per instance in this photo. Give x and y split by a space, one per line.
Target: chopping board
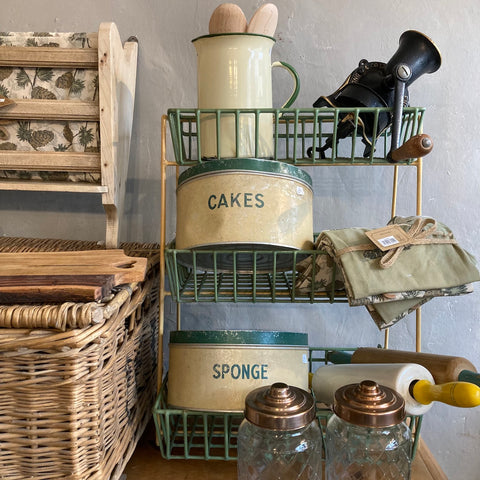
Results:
80 276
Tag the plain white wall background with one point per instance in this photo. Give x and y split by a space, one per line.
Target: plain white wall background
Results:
324 41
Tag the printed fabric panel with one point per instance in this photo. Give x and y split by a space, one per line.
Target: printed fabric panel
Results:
49 84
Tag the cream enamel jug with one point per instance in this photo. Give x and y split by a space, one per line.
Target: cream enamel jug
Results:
234 71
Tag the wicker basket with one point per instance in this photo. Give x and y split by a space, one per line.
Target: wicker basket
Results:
77 381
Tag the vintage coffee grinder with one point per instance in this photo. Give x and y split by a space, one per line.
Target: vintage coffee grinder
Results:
377 84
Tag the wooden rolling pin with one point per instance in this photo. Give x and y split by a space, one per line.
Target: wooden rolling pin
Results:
443 368
458 394
412 381
328 379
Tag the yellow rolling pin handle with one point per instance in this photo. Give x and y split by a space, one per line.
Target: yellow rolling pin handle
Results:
457 394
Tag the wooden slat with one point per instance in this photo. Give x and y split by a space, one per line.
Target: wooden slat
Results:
48 57
117 83
33 109
50 161
37 186
47 294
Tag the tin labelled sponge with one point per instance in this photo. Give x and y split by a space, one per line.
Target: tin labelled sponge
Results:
215 370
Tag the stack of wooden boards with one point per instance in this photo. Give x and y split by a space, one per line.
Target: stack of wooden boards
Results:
81 276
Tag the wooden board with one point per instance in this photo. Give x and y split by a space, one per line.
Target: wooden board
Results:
33 277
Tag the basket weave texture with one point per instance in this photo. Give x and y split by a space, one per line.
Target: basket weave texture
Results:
77 381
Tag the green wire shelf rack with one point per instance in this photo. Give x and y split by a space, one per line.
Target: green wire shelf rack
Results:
295 131
201 275
188 434
192 281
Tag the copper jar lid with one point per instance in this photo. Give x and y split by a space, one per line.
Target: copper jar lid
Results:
280 407
368 404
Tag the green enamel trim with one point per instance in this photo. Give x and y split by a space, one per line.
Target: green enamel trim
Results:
229 34
239 337
244 165
296 89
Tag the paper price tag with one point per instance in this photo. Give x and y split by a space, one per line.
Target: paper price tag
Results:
388 237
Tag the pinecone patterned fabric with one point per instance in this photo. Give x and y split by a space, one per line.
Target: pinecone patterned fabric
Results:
49 84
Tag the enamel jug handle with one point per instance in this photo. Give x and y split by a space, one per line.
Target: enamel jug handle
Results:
296 80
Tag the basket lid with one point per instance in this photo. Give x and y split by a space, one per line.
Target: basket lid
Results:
239 337
254 165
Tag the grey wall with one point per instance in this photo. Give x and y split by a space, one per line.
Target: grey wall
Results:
324 41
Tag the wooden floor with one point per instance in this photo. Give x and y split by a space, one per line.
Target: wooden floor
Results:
148 464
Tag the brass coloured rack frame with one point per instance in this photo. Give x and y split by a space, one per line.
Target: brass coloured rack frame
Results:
295 131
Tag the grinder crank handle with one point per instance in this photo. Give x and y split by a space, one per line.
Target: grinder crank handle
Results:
417 146
457 394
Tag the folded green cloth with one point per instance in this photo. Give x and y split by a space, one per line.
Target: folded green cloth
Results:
394 283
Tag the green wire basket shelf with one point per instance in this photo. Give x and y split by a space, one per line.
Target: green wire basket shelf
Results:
188 434
220 276
296 133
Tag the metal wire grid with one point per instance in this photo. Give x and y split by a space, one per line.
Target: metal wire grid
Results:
295 131
190 282
187 434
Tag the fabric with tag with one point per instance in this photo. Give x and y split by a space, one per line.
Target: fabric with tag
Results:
394 283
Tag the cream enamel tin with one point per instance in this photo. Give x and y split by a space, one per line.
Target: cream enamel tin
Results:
215 370
247 204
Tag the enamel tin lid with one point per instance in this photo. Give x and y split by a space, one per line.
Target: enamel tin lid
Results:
238 337
280 407
369 404
246 165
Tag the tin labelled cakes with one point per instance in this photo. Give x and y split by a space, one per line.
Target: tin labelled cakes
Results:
244 204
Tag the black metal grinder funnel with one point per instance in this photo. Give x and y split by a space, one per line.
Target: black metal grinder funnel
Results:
376 84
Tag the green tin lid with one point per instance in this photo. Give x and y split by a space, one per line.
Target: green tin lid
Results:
255 165
239 337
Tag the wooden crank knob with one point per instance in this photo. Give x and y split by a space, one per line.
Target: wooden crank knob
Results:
417 146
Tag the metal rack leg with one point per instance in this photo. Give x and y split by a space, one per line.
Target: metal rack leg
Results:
418 311
163 201
393 213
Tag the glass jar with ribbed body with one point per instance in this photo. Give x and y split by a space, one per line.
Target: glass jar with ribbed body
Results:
354 452
280 438
278 455
367 437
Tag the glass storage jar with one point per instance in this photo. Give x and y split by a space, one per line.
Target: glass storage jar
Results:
366 437
280 438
